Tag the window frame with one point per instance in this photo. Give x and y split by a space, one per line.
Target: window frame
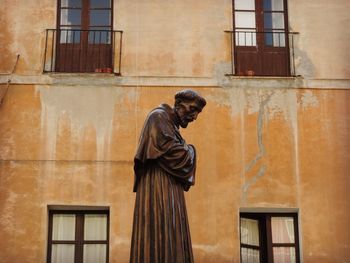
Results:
265 234
78 241
85 19
82 47
264 55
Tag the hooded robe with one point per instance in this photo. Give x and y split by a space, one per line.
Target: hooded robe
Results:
164 167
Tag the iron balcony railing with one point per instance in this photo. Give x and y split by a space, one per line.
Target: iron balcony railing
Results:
73 50
262 53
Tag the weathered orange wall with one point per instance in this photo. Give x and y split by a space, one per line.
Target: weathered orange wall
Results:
277 143
299 139
183 38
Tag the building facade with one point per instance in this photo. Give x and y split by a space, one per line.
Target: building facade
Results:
78 78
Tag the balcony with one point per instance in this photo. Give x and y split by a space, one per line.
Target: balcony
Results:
83 51
262 53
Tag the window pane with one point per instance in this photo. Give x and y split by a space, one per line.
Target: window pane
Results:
275 39
95 227
245 38
95 253
250 255
284 254
249 231
273 5
70 3
63 227
62 253
100 17
245 4
70 35
100 3
273 21
282 230
70 17
245 19
100 36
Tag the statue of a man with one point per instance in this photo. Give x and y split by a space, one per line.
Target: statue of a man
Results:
164 168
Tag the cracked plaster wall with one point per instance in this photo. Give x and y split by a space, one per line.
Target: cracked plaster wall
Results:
280 148
258 146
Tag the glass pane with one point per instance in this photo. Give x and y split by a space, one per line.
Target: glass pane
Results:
95 227
100 36
249 255
62 253
70 35
63 227
273 21
245 4
284 254
249 231
245 19
282 230
273 5
100 17
70 3
275 39
245 38
70 17
95 253
100 3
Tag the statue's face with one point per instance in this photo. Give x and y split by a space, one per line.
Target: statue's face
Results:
187 111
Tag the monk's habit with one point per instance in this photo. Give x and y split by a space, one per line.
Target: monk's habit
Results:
164 168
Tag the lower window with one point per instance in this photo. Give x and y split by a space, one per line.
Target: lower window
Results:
269 238
78 236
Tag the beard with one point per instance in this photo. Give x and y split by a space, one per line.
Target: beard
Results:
184 121
184 125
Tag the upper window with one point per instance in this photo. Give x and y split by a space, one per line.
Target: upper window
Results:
84 40
78 237
261 43
269 238
84 36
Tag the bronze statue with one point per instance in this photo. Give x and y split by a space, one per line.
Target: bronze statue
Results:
164 167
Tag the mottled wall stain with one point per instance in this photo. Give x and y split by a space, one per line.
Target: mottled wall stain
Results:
257 148
28 41
81 109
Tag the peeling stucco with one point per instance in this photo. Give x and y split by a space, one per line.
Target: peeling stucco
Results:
83 106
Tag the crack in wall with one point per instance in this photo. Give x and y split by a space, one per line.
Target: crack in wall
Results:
261 149
252 181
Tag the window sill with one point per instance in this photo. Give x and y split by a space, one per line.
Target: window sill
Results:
228 81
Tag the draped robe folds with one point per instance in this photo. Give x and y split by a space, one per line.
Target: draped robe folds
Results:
164 167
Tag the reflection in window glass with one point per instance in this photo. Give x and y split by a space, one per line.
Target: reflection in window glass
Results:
95 227
249 232
275 39
100 36
62 253
100 17
70 17
250 255
70 35
282 230
244 4
284 254
95 253
273 5
245 38
245 19
63 227
100 3
70 3
273 21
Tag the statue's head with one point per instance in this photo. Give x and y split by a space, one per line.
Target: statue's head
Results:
188 104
